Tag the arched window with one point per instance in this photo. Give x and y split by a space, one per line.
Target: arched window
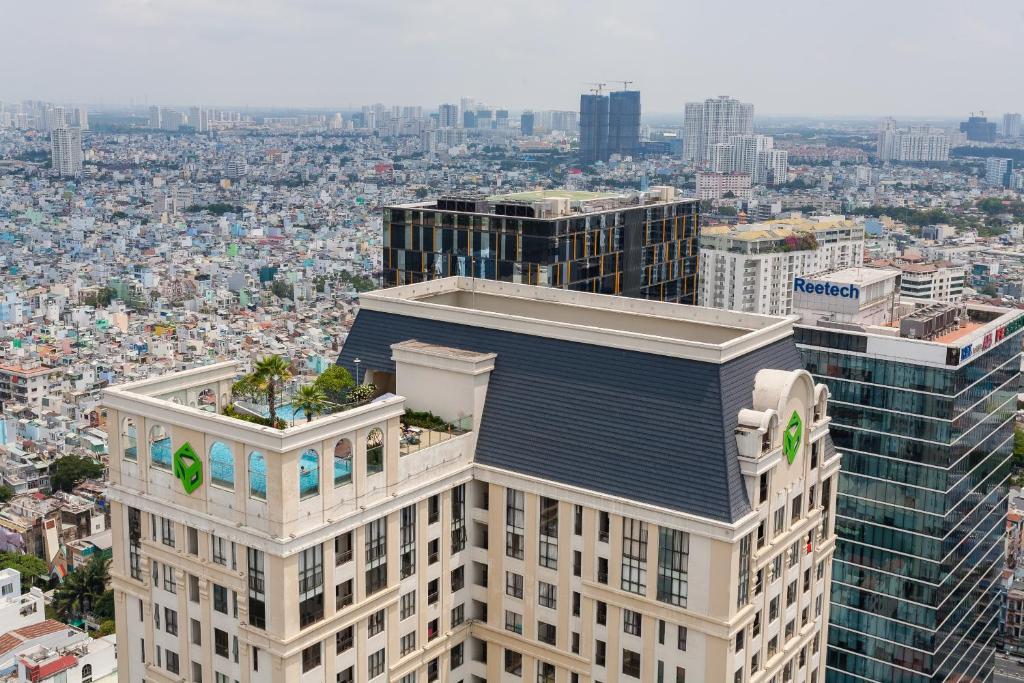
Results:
87 673
374 451
130 439
159 447
208 400
342 462
222 465
309 474
257 476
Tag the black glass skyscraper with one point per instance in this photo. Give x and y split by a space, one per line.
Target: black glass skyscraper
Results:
526 123
593 128
635 245
624 123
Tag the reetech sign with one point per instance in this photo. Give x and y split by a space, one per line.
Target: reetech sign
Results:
826 288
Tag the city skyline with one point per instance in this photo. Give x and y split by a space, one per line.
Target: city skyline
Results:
221 56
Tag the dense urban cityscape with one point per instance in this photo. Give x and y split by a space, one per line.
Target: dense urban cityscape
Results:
486 370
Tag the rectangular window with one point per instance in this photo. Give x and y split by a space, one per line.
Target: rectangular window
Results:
673 564
545 672
433 509
135 543
193 540
513 662
220 599
547 594
513 622
375 623
197 631
172 661
407 643
376 555
458 578
407 605
743 578
407 540
458 518
458 615
514 585
433 591
257 597
343 548
170 584
601 613
631 663
599 652
780 522
167 531
220 642
603 527
798 509
515 523
634 556
219 554
170 621
344 639
347 676
311 657
344 594
375 663
577 520
632 622
546 633
681 638
548 556
311 585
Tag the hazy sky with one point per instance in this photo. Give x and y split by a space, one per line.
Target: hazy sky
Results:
856 57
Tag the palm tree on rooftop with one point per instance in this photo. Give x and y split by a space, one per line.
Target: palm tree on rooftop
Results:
310 399
271 372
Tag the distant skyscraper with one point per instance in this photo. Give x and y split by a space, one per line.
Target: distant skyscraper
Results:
155 117
526 123
448 115
593 128
624 123
82 118
66 150
919 143
469 119
1011 125
998 172
979 129
713 122
199 119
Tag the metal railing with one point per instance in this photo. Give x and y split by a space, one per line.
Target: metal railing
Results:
414 438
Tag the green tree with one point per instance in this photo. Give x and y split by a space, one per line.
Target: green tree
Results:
1018 448
282 290
29 566
310 399
83 589
6 493
271 373
335 382
71 470
107 628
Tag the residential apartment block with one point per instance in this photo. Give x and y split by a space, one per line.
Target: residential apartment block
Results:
752 267
624 490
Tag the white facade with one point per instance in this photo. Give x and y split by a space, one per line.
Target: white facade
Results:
66 150
940 281
716 185
418 563
919 143
17 610
1011 125
751 267
713 122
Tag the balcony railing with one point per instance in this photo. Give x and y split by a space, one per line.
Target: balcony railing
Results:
415 438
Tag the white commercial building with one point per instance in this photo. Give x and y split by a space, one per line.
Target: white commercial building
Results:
751 267
919 143
939 281
511 535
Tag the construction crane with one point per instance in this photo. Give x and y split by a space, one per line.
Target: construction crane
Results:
598 87
625 84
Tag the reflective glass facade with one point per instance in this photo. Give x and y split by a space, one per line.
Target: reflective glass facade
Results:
643 251
920 511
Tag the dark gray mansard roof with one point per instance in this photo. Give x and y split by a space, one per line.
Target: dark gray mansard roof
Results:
651 428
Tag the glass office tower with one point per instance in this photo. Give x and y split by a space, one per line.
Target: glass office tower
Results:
641 245
923 418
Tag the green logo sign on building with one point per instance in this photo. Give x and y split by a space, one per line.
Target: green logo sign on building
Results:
791 437
188 468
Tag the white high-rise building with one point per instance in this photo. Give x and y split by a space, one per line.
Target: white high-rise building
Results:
155 117
919 143
493 542
713 122
751 267
66 150
448 116
199 118
772 167
754 155
1011 125
82 118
